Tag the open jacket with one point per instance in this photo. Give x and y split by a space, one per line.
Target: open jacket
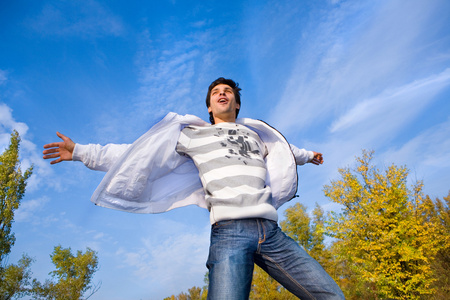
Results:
149 176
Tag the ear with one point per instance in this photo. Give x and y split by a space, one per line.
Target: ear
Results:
238 106
209 109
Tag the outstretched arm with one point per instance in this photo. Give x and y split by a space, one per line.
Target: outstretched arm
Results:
303 156
59 150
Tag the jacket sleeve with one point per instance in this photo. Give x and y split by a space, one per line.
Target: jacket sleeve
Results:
302 156
97 157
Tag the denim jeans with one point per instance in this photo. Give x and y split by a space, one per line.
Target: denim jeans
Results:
237 244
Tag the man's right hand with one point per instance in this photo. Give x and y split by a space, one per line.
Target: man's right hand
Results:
60 150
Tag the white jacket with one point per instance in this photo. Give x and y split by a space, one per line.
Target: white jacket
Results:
149 176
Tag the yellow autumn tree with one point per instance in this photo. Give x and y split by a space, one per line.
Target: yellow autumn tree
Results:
194 293
385 237
441 263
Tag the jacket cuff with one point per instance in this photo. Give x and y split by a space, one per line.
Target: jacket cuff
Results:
79 152
310 155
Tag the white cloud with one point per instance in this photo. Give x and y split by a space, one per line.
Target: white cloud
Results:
29 210
3 76
8 124
29 154
384 46
394 106
170 79
427 156
88 19
173 260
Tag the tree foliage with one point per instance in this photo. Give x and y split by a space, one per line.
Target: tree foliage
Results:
73 275
12 190
385 234
13 278
194 293
441 263
309 233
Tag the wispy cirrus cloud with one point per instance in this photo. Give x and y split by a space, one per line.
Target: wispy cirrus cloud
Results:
427 157
384 47
3 76
173 73
68 18
29 210
394 107
166 264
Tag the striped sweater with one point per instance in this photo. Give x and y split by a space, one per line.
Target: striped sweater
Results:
230 161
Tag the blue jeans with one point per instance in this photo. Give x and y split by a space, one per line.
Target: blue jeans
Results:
237 244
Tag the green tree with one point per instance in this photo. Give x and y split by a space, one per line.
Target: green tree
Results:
12 190
309 233
13 278
16 279
73 276
384 238
297 225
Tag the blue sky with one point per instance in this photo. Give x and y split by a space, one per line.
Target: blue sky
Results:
332 76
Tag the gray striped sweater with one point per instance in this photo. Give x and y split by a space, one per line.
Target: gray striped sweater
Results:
230 160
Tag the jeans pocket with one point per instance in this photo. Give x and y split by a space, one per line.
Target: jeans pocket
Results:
222 223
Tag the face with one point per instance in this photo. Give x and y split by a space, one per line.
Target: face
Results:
223 103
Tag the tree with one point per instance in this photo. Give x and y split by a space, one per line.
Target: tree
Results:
441 263
384 236
194 293
12 190
73 275
308 233
13 278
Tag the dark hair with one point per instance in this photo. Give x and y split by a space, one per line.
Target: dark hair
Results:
236 92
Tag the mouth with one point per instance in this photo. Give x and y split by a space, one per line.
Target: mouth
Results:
222 100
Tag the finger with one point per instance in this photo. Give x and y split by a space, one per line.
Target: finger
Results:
317 161
51 156
56 161
52 150
52 145
62 136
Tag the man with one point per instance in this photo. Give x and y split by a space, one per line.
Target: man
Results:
241 170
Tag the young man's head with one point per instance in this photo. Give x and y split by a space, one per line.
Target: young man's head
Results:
223 100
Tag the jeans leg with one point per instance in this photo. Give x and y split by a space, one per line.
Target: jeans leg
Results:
230 260
288 263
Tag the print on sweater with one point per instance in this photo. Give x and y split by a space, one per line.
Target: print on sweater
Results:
238 144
